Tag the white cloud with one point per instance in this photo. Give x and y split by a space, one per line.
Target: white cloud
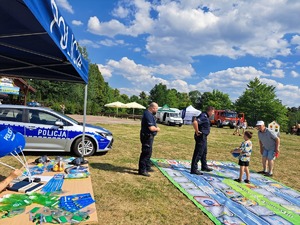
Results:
295 40
109 29
77 22
179 85
105 71
130 91
120 12
176 71
278 73
232 81
141 24
64 4
288 94
110 42
89 43
137 74
275 63
294 74
181 30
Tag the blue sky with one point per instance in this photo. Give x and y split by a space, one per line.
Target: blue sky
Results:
191 44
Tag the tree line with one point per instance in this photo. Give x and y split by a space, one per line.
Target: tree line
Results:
258 101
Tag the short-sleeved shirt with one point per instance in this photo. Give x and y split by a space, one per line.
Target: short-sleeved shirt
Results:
148 120
203 123
268 139
246 148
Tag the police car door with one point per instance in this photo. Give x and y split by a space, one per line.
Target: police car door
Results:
42 133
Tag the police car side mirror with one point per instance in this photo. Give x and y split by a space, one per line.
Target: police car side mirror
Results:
59 123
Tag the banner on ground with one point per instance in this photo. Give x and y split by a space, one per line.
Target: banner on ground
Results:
264 201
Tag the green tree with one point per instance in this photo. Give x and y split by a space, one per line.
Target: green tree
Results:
259 102
183 100
144 99
217 99
171 98
158 94
195 97
97 97
134 98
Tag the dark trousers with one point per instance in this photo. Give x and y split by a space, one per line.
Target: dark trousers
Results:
200 152
144 162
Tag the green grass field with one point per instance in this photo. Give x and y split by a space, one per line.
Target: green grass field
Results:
123 197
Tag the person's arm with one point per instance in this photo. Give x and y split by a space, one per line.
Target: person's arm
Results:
196 128
277 144
154 129
14 174
261 147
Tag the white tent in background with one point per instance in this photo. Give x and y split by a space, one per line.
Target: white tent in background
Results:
188 113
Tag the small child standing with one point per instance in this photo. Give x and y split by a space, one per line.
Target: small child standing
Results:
244 158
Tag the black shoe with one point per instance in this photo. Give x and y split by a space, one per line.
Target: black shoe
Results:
247 181
150 170
146 174
207 169
238 180
262 172
268 175
197 172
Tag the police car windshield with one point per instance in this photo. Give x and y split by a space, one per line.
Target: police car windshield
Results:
69 118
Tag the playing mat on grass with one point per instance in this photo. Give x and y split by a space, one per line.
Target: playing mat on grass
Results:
264 201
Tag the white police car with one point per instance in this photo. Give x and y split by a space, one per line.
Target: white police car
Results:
47 130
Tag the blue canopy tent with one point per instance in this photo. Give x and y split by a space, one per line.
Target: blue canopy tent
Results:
36 42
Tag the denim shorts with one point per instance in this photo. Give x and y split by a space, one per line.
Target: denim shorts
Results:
269 154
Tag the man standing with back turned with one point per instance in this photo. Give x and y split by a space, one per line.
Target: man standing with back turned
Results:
201 126
148 131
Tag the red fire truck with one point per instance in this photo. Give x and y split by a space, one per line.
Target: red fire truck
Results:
226 118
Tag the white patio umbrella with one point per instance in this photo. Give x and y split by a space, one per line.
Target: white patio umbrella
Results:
135 105
116 105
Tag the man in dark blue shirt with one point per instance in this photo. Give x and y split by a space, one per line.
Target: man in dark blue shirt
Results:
201 126
148 130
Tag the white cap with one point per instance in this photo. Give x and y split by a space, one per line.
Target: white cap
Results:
260 123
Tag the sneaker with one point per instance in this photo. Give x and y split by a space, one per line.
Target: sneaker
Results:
268 174
238 180
197 172
262 172
150 170
145 174
207 169
247 181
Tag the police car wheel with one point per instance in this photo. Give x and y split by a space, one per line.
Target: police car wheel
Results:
89 147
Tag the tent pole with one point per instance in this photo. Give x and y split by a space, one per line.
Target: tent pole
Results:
84 119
